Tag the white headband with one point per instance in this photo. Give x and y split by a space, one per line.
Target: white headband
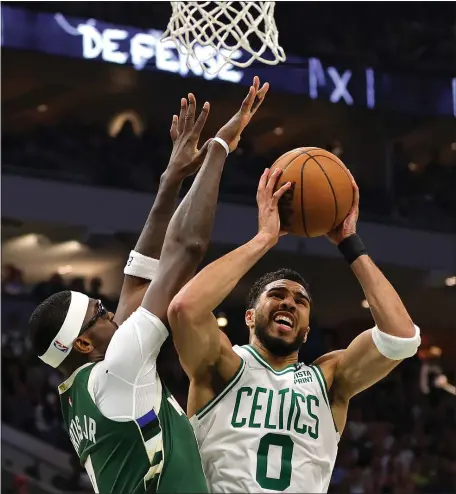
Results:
62 344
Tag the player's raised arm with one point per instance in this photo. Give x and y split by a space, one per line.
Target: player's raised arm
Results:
188 234
186 242
374 353
196 334
143 260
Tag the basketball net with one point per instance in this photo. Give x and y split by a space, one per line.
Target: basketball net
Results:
227 28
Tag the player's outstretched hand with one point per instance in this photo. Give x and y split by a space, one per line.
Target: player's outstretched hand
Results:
232 130
348 226
268 200
185 133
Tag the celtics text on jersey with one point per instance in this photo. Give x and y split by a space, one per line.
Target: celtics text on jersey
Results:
268 431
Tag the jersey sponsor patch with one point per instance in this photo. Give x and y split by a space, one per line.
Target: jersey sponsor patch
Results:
303 376
60 346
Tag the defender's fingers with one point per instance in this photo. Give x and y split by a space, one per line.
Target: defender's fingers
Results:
199 125
260 97
190 115
256 83
173 130
183 111
248 101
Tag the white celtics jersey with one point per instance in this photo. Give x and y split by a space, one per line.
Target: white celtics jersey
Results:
268 431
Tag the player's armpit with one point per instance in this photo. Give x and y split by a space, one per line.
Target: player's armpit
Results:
360 366
196 340
132 300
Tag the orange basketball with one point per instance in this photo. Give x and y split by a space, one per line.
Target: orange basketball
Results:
321 194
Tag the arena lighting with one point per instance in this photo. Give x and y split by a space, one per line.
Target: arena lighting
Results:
450 281
118 121
68 247
59 252
222 320
65 269
278 131
28 241
364 304
435 351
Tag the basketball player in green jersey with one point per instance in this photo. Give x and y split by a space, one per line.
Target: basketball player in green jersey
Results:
128 431
264 422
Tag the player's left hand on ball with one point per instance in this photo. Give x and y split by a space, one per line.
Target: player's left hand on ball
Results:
348 226
185 133
268 200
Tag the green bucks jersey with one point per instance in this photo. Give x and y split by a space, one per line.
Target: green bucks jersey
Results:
268 431
155 453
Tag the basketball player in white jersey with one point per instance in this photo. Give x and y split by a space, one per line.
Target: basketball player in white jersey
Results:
263 421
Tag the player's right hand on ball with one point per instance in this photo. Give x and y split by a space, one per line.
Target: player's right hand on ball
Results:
268 200
232 130
348 226
185 133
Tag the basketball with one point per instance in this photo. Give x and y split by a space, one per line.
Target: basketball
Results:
321 194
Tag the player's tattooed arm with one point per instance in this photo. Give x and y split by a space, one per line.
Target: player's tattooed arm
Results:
184 161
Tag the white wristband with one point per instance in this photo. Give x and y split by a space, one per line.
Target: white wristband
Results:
223 144
395 347
141 266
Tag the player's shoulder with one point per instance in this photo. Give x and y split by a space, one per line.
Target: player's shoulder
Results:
141 323
328 364
330 358
242 352
78 378
144 316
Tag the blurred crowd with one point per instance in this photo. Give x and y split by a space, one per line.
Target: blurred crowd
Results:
400 436
13 285
420 196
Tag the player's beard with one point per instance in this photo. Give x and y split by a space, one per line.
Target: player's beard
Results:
277 346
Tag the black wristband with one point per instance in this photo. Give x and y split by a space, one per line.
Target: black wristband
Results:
351 248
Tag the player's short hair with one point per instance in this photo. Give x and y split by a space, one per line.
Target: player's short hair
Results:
281 274
47 319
